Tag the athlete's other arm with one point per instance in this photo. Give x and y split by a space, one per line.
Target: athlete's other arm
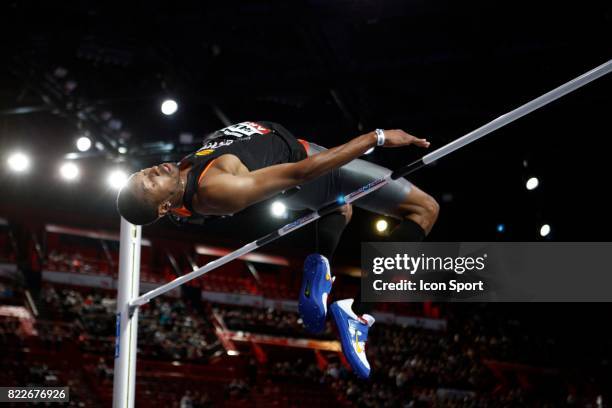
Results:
226 193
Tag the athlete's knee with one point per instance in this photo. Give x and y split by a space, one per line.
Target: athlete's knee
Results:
431 208
421 208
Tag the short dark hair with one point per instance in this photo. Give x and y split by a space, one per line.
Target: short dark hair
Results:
134 207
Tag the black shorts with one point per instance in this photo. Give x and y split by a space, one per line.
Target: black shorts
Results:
346 179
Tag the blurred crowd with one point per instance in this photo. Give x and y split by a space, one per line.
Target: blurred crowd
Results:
416 367
176 331
268 321
10 330
75 262
168 329
411 367
6 291
195 399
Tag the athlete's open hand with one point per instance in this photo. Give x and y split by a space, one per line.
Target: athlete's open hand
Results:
398 138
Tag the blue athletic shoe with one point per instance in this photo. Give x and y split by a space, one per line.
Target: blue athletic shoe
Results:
316 285
353 335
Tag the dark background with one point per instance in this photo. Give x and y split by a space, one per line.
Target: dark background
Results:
328 71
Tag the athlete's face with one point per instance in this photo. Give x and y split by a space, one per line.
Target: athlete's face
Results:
158 184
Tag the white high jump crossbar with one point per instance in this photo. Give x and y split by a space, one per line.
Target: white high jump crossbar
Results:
128 300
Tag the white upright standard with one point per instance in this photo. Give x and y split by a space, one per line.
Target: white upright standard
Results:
124 381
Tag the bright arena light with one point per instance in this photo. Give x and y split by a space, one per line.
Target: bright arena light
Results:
278 209
83 143
69 171
117 179
382 225
545 230
169 107
532 183
18 162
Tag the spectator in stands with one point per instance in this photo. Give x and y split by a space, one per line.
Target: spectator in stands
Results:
237 389
104 371
252 369
186 401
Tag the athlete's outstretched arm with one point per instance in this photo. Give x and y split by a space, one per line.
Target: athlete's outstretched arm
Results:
229 193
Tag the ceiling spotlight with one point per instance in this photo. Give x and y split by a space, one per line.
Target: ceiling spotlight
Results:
169 107
83 143
69 171
117 179
278 209
532 183
122 149
18 162
382 225
501 228
544 230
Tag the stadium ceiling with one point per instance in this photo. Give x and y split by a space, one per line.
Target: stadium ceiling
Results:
326 70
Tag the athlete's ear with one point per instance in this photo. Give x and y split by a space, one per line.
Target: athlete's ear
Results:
164 208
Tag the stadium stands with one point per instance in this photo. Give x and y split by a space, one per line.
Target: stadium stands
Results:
243 344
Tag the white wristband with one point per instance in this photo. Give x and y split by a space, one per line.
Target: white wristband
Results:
380 137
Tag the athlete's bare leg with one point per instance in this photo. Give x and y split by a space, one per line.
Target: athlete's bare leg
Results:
421 208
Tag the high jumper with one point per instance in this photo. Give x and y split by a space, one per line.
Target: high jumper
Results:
246 163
